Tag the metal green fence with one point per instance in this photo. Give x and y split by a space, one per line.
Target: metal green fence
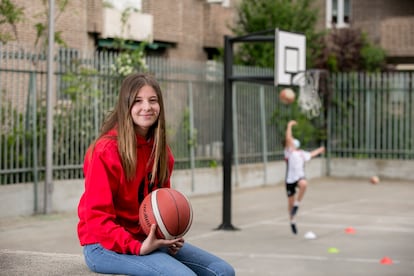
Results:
372 116
367 116
86 89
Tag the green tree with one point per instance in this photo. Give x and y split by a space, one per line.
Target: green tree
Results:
373 56
260 15
298 16
10 15
131 56
349 50
41 25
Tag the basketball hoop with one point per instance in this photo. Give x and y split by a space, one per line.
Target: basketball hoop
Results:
309 100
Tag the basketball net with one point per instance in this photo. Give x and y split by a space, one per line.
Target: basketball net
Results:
309 100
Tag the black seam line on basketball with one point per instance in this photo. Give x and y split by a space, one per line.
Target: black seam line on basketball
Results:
177 212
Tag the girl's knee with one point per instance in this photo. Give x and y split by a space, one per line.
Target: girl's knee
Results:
224 269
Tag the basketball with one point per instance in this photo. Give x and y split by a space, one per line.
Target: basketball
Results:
170 210
374 180
287 96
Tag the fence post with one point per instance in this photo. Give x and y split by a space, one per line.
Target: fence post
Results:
235 135
191 122
264 135
32 108
49 105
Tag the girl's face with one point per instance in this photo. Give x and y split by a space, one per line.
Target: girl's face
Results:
145 110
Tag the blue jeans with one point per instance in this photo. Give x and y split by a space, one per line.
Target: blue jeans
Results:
189 260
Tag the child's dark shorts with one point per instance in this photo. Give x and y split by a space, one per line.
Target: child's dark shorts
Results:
291 188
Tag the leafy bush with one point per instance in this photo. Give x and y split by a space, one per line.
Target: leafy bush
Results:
348 50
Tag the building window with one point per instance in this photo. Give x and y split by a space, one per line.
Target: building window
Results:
224 3
338 13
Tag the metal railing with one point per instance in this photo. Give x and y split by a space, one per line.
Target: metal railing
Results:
366 116
372 116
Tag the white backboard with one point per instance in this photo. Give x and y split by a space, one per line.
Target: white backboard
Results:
290 56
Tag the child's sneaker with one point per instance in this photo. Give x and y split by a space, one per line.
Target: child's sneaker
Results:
293 226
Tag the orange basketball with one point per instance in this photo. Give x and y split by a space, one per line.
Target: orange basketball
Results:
374 179
287 96
170 210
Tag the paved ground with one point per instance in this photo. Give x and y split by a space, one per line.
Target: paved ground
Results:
381 215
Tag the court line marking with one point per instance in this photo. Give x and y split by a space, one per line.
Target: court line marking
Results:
301 257
358 227
283 222
348 215
279 220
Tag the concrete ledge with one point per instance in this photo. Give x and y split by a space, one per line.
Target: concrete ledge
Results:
19 199
16 263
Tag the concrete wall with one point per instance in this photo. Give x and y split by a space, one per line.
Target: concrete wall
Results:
391 169
18 200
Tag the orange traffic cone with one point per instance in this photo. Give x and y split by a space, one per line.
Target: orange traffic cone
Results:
350 230
386 261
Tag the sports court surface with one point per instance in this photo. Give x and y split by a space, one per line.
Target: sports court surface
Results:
379 219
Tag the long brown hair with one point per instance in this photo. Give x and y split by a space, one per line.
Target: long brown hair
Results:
121 119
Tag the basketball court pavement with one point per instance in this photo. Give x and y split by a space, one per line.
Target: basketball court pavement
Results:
361 229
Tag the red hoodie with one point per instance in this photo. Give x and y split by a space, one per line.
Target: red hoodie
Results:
109 207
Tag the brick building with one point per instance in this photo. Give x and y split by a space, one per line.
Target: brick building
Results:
388 23
181 29
73 24
194 29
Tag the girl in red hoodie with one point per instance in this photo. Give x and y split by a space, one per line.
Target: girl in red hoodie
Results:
128 160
